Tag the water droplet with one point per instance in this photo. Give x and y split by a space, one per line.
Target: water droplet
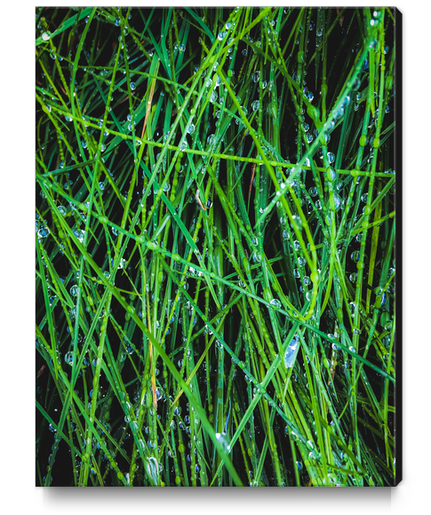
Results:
43 232
224 440
256 257
132 86
290 354
355 256
152 468
297 222
79 235
256 76
337 202
46 36
331 157
276 303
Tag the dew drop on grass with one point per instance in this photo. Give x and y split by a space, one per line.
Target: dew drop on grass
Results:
256 257
224 440
276 303
46 36
79 235
43 232
297 222
152 468
132 86
68 358
355 256
337 202
289 355
74 290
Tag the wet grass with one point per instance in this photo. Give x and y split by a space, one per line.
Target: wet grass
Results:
215 247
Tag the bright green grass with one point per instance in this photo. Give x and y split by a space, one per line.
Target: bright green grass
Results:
215 234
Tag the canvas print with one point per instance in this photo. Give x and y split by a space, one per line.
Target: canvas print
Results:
216 246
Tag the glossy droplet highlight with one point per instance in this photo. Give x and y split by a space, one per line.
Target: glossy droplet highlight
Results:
152 469
224 440
290 354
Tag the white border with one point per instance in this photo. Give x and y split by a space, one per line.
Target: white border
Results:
17 307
